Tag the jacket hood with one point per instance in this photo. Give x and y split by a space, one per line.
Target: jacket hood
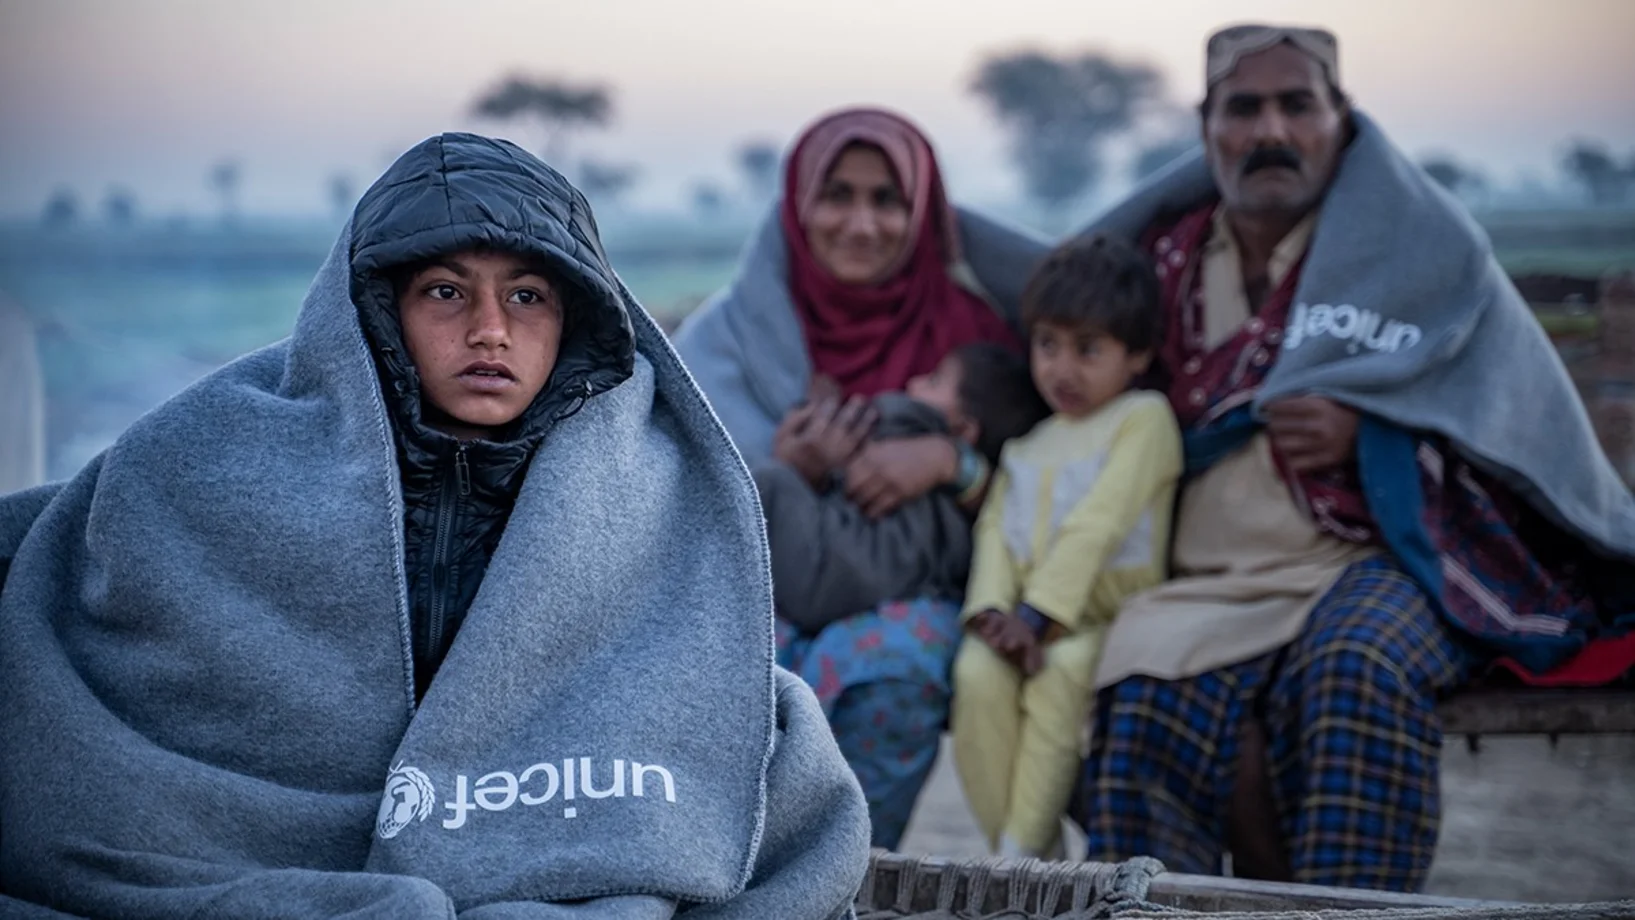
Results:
461 191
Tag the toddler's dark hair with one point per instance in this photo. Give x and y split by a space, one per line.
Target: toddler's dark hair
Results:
1098 283
996 390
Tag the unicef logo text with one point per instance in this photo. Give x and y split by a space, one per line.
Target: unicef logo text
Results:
1358 328
410 797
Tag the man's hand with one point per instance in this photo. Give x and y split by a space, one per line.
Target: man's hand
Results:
1312 433
821 436
885 474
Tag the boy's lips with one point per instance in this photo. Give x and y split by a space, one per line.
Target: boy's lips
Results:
488 376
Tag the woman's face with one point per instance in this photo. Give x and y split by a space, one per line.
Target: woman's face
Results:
859 224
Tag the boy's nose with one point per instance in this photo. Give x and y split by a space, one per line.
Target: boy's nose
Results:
488 320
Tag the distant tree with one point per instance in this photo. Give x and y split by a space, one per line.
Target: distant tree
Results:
556 106
224 180
708 199
1454 176
61 209
758 160
1446 173
343 194
1060 112
1158 155
119 207
1591 165
602 181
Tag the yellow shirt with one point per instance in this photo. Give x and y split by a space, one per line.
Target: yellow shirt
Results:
1078 518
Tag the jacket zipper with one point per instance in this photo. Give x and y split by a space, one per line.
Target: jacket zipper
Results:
454 487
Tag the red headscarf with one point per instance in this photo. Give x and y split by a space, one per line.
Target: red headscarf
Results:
873 338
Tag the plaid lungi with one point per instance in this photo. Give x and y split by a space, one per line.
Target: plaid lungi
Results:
1354 745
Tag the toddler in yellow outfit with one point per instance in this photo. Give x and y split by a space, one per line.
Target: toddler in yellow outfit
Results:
1077 518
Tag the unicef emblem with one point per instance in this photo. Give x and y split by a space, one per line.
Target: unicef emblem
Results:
409 797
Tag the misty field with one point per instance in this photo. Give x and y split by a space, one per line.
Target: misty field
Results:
128 317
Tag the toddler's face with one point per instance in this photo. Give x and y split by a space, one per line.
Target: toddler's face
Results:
1078 370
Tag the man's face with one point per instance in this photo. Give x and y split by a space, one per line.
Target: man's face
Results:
1273 132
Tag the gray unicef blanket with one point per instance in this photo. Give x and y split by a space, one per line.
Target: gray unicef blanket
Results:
1402 311
205 652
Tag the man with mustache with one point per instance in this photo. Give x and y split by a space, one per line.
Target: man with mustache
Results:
1364 396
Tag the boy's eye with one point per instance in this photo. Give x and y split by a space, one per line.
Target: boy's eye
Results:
443 292
527 297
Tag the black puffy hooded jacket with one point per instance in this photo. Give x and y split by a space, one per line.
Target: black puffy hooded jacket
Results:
468 192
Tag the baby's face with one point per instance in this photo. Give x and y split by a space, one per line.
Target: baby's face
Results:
940 390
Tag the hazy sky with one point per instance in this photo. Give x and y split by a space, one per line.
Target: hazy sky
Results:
149 93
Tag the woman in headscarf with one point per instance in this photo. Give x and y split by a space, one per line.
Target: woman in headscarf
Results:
864 277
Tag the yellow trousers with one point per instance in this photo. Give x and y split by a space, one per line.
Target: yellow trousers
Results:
1016 741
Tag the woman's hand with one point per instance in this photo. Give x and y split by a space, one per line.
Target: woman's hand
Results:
822 435
886 474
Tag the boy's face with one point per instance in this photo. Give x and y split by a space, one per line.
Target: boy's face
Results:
1079 370
483 330
940 390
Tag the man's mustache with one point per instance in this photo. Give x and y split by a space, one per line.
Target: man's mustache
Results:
1264 157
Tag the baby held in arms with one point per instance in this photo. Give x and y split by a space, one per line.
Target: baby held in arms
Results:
830 558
